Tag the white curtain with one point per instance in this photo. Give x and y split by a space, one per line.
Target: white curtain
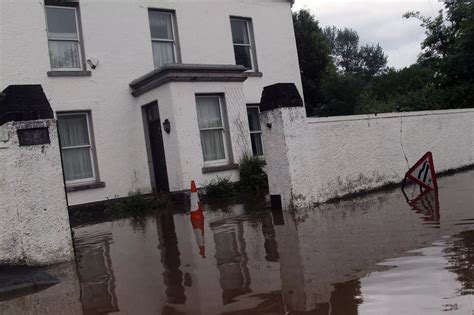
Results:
77 163
74 132
212 144
64 54
163 53
161 25
212 140
209 112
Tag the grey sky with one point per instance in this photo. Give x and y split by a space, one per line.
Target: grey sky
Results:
378 21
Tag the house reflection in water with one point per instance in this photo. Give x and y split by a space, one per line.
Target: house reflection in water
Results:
172 275
231 259
96 274
305 262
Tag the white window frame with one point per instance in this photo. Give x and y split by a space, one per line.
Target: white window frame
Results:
165 40
256 132
226 160
78 40
250 44
90 146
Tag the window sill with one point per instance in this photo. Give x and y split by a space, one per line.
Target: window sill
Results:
85 186
212 169
254 74
74 73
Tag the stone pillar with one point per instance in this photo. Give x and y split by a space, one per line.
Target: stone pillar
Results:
282 117
34 221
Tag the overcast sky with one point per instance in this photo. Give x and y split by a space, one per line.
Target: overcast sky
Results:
377 21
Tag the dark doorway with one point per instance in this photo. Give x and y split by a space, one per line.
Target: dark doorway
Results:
157 150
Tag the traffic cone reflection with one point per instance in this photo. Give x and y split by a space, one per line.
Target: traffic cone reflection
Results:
197 219
198 227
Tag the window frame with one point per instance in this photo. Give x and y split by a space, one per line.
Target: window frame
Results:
251 36
225 138
174 32
79 40
254 106
91 146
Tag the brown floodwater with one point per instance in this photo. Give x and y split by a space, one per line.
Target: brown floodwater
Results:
376 254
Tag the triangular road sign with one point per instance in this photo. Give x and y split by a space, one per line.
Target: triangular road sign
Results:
423 172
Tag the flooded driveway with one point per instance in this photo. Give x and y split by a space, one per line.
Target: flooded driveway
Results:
370 255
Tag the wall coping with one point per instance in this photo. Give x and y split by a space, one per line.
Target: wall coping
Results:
187 73
321 120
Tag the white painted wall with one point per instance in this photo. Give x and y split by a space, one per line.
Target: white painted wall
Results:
184 157
117 33
330 157
32 197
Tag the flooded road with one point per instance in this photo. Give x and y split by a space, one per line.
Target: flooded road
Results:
375 254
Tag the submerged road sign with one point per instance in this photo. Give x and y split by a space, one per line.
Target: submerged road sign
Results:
423 172
427 204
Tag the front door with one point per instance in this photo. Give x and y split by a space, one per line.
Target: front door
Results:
156 147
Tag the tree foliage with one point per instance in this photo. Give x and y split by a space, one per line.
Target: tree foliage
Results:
314 58
353 79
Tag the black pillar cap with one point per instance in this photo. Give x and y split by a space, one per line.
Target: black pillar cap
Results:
24 102
280 95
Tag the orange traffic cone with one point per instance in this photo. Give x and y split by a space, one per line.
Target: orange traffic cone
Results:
196 205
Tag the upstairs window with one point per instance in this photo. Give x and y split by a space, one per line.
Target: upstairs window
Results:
242 38
253 113
163 37
63 38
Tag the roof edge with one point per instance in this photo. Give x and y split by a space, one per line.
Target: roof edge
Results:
186 73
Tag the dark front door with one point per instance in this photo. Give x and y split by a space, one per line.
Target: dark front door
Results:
157 147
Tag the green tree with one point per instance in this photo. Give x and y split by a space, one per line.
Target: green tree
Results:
366 61
449 42
373 60
314 57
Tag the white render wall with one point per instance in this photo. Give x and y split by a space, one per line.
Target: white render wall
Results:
335 156
117 34
184 157
34 220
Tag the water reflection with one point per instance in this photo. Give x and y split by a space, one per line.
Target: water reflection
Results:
371 255
168 245
96 273
333 260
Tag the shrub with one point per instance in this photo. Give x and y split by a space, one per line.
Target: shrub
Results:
220 187
252 176
135 204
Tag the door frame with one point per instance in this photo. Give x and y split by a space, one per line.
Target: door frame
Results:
148 145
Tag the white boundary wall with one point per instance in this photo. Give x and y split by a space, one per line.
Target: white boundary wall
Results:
312 160
34 220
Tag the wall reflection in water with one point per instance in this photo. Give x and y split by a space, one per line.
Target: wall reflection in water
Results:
314 261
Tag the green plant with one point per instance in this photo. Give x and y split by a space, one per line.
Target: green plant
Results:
220 187
252 176
135 204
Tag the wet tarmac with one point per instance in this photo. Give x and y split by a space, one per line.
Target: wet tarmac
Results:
377 254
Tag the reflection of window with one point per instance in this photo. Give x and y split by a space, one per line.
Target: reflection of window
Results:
253 113
231 259
63 38
242 39
162 37
96 273
212 129
76 147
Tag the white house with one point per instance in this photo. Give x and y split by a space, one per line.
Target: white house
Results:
149 94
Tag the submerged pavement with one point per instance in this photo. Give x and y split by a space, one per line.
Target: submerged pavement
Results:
376 254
